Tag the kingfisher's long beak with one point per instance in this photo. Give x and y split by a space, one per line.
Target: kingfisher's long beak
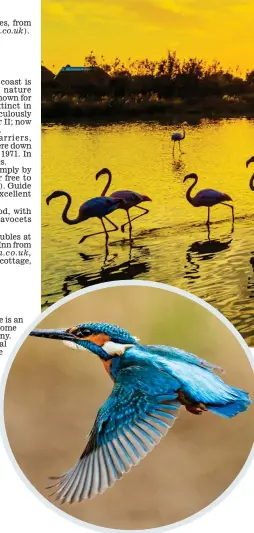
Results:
59 334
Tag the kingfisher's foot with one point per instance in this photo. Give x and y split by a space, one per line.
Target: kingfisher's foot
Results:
196 408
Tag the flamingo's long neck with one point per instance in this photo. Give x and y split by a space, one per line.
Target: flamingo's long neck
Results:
108 183
183 136
190 198
252 183
66 209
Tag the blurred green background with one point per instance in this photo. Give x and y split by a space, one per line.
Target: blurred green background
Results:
53 395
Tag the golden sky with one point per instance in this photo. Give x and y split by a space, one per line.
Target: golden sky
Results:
211 29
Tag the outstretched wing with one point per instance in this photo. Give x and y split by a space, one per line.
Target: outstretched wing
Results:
127 427
180 355
198 380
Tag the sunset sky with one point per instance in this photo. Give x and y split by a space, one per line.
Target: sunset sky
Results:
218 29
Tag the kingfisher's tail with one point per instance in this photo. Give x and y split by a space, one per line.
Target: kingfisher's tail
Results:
235 406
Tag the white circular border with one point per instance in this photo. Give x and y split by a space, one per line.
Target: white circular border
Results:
50 310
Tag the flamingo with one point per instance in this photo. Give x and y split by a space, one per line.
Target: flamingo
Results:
251 160
178 137
207 197
94 208
129 198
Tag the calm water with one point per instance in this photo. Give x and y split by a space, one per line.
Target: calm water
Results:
171 244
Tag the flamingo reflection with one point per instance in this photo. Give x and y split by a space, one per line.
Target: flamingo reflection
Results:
204 251
136 265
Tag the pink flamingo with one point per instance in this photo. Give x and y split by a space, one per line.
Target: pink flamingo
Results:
251 160
207 197
130 198
94 208
178 137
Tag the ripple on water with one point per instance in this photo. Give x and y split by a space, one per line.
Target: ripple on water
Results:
171 243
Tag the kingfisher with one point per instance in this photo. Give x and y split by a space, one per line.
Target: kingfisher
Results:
150 384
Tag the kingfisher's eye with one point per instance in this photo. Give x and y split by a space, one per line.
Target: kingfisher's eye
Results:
83 332
80 332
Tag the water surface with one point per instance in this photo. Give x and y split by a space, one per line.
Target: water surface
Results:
171 244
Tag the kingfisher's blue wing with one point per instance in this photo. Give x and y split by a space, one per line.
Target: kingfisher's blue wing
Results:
180 355
197 379
195 376
128 426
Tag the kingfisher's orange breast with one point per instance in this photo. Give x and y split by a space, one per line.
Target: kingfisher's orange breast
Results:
107 366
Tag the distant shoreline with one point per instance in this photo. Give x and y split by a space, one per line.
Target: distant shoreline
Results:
84 109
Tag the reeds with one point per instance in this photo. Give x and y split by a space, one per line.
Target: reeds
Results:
144 87
74 107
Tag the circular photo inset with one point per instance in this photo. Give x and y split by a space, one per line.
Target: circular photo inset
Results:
115 372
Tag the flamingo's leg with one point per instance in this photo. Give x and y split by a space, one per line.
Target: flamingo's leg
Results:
173 147
138 216
208 233
112 224
130 239
129 222
180 147
208 218
106 251
101 232
92 234
232 209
